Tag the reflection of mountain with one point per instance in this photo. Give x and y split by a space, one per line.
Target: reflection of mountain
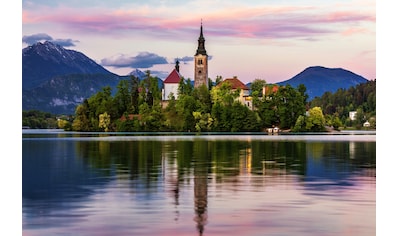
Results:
52 176
49 170
334 163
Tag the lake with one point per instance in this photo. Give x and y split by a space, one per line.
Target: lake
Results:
208 184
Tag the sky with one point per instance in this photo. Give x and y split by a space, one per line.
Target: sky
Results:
251 39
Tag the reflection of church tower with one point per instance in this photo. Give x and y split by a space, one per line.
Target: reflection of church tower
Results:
200 186
201 63
201 199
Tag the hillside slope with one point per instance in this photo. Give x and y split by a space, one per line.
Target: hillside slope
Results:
318 80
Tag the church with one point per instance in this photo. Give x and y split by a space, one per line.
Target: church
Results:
171 83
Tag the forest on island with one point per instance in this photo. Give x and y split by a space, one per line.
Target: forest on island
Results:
136 106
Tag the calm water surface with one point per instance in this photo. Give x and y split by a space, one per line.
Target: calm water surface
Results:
211 184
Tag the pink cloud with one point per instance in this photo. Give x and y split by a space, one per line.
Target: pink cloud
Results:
354 30
348 16
269 22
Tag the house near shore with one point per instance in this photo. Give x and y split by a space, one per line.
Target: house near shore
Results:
352 115
236 84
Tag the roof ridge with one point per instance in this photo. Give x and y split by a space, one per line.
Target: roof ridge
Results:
173 77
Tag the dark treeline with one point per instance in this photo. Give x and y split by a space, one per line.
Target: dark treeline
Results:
136 106
35 119
360 98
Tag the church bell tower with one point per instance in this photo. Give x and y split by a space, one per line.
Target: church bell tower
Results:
201 63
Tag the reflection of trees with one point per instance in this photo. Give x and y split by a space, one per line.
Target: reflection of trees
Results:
140 158
227 160
143 159
226 157
274 157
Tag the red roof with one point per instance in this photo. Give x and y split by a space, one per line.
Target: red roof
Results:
173 78
273 88
130 117
235 83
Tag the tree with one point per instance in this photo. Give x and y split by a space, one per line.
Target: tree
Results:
257 91
81 121
63 124
290 105
315 121
185 106
185 87
134 94
203 98
243 119
267 111
218 79
300 124
203 121
104 120
122 99
102 102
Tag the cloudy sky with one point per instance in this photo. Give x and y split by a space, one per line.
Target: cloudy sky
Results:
267 39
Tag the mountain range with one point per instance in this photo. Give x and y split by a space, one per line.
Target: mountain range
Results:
56 80
43 61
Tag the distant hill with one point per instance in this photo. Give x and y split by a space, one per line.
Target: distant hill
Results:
56 80
43 61
61 94
318 80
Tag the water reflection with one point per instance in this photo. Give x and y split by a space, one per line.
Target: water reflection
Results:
201 160
160 183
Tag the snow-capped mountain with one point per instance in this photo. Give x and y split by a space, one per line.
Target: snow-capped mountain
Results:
42 61
138 73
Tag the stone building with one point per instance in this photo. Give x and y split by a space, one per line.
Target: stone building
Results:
201 63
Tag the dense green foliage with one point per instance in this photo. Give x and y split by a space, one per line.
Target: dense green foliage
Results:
336 106
137 106
38 120
34 119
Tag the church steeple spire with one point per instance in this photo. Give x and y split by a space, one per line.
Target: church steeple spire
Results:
201 63
201 43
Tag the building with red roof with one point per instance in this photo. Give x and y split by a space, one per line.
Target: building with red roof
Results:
171 83
236 84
